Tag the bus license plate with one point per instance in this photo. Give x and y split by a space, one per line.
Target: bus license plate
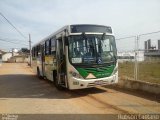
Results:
98 82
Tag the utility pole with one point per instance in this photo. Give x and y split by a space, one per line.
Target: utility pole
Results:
30 52
136 58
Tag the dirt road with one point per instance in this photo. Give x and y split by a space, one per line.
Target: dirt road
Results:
21 92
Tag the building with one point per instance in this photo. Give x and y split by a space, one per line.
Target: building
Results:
1 53
158 44
19 59
151 52
6 56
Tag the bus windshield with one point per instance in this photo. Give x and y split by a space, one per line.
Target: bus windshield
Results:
92 49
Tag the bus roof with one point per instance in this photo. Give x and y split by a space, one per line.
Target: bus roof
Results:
80 28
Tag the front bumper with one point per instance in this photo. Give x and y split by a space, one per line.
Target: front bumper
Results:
77 83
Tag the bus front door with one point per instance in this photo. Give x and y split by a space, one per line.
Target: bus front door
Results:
60 63
43 60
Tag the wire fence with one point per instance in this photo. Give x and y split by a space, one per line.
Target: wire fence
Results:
139 57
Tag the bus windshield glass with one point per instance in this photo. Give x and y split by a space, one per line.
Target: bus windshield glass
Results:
92 49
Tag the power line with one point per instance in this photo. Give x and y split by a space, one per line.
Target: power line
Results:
13 26
125 37
9 47
12 42
149 33
138 35
12 39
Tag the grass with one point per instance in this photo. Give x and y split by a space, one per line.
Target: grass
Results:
147 71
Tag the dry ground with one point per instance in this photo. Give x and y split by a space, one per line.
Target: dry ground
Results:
21 92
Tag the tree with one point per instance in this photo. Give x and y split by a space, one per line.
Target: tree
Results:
24 50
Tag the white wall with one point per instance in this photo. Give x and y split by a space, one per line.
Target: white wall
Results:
6 56
140 55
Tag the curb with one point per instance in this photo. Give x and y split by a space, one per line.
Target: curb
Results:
139 85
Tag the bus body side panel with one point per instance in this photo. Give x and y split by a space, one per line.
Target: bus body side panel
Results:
34 64
50 59
49 67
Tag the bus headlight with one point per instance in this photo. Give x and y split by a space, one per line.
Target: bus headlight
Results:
76 75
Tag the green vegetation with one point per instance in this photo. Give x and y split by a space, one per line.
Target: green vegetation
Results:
147 71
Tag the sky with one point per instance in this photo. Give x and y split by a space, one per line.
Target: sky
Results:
40 18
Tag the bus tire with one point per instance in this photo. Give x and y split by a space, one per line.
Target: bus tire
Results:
55 80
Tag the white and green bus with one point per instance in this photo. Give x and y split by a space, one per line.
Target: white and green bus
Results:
77 56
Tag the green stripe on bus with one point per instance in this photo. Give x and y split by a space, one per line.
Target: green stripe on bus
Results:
97 72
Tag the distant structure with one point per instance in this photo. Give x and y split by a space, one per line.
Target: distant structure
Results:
1 53
5 56
150 52
129 56
147 45
14 56
159 45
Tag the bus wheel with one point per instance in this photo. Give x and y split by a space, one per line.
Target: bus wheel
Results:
55 79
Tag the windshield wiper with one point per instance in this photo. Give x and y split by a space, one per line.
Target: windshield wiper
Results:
84 35
102 38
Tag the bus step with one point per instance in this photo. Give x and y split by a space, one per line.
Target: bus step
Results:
62 79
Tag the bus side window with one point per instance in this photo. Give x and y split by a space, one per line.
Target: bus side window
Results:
53 46
37 50
47 48
50 47
34 51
